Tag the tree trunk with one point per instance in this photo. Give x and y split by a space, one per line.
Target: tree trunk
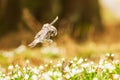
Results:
11 16
81 14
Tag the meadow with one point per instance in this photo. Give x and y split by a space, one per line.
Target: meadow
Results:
47 63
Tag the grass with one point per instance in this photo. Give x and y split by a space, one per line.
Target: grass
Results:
72 69
23 63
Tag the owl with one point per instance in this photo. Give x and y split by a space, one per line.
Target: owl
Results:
44 35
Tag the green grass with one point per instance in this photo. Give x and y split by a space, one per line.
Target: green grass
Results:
72 69
46 63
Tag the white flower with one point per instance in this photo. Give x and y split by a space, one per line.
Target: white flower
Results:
116 61
27 61
67 69
73 72
85 65
95 78
15 76
109 66
108 54
67 76
59 64
63 59
104 70
91 70
112 55
85 59
55 73
41 67
4 75
2 79
59 74
59 78
10 67
116 76
50 73
17 66
91 62
26 76
75 59
79 70
19 73
73 64
46 76
71 61
34 77
9 73
7 78
46 65
101 66
29 68
101 61
35 70
24 69
80 61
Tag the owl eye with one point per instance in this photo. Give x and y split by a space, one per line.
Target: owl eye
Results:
52 33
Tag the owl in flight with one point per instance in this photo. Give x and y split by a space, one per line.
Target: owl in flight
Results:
47 31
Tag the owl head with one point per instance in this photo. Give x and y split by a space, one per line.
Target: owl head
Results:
52 31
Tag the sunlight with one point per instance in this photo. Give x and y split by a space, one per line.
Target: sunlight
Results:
111 9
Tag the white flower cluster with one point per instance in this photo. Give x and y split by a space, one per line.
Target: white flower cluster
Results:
75 69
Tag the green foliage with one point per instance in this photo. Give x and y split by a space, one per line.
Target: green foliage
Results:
74 69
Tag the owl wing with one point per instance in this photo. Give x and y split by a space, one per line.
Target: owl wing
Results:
44 34
38 34
41 34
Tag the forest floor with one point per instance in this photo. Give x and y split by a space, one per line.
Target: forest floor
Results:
18 57
99 62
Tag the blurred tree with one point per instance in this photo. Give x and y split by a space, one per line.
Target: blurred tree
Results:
10 16
75 17
79 16
41 9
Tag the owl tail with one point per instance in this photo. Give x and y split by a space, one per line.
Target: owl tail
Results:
33 44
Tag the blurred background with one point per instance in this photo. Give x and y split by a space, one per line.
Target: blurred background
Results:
84 26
